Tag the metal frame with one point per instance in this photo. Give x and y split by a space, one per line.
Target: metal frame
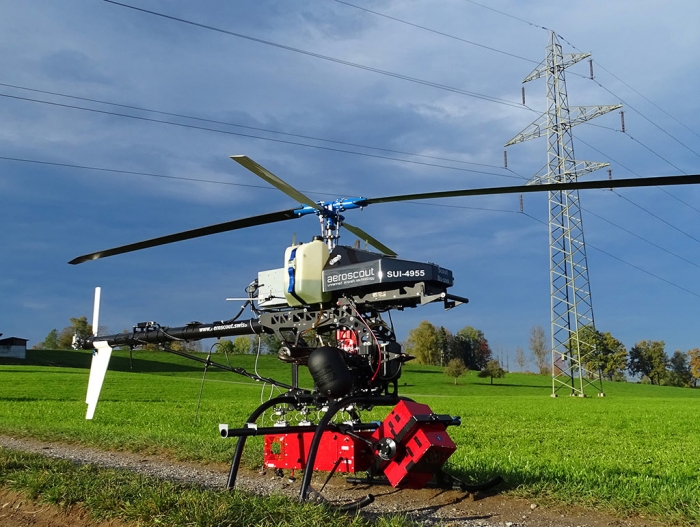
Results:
571 303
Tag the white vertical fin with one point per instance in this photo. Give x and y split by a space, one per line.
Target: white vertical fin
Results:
96 312
100 361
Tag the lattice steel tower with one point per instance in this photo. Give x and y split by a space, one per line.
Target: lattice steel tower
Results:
571 304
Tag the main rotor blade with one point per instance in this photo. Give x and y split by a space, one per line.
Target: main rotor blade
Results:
522 189
275 181
362 235
285 187
194 233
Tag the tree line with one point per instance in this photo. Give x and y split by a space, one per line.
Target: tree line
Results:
458 352
604 355
81 328
438 346
601 353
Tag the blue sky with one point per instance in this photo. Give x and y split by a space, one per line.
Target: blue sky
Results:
643 245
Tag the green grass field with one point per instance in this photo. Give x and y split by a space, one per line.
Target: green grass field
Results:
636 451
141 500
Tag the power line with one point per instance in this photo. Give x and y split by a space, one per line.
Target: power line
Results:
648 212
128 172
650 101
645 271
659 188
438 32
625 261
638 175
678 199
162 176
508 15
640 143
638 112
237 125
586 77
655 153
503 101
635 91
216 182
229 183
628 105
328 58
404 77
642 238
283 133
657 217
639 206
250 136
445 206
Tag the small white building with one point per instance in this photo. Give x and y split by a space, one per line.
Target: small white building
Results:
13 348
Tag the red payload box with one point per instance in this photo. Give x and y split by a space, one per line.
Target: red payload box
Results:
422 445
291 451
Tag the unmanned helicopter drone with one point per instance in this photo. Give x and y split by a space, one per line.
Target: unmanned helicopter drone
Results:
327 306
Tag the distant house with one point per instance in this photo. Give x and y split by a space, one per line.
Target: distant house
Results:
13 348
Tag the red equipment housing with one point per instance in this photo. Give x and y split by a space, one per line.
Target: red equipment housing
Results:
336 452
420 446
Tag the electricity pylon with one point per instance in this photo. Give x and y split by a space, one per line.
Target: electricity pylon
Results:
571 303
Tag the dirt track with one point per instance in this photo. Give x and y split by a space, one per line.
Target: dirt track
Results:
429 506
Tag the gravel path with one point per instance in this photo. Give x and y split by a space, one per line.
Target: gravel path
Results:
427 506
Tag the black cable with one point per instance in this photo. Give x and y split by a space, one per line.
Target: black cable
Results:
626 262
660 188
259 129
129 172
650 149
638 175
649 101
637 92
600 85
678 199
240 312
645 271
657 217
642 238
506 14
255 186
250 136
437 32
148 174
603 87
355 65
650 213
443 205
325 57
628 105
655 153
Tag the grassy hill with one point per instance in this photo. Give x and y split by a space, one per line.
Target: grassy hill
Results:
635 450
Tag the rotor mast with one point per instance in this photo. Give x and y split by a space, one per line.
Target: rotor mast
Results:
570 293
331 220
